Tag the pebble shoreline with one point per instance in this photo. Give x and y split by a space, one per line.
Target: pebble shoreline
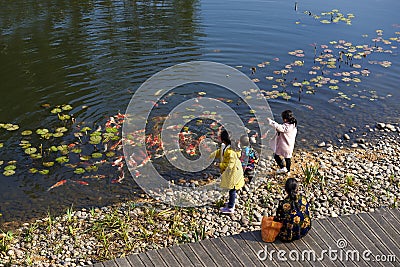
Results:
360 175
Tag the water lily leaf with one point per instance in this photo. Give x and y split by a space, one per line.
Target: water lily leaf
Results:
95 133
61 130
1 145
97 155
86 129
201 93
110 154
62 147
42 131
92 168
56 110
62 159
1 162
76 150
58 134
111 130
79 170
12 127
36 156
26 132
33 170
30 150
53 148
10 167
64 117
44 172
84 157
94 140
48 164
8 172
66 107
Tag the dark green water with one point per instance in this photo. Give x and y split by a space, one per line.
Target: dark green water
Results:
95 54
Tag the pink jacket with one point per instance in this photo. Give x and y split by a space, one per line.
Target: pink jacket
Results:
283 142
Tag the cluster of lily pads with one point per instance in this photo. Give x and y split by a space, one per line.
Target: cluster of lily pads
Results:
333 16
83 150
339 64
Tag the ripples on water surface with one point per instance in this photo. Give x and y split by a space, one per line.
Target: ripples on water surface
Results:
97 53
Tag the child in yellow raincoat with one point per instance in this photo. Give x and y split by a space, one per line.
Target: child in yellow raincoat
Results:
231 170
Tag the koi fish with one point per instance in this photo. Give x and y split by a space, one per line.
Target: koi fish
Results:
117 161
120 178
147 159
98 176
113 147
60 183
82 182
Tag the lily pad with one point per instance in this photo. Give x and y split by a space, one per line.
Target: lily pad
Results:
92 168
66 107
12 127
1 145
79 170
36 156
48 164
61 130
86 129
30 150
8 172
44 172
76 150
10 167
58 134
64 117
85 157
110 154
62 159
53 148
94 140
56 110
62 147
1 162
111 130
26 132
97 155
33 170
42 131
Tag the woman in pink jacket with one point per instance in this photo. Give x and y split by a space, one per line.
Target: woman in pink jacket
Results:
283 142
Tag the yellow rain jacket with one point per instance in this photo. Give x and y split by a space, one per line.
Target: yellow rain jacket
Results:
231 168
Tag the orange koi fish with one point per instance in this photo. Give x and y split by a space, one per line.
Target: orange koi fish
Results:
60 183
82 182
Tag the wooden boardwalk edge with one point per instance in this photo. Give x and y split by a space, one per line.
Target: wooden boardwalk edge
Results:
364 239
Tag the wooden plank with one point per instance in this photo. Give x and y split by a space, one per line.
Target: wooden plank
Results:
168 258
312 245
340 231
180 256
146 260
306 243
255 246
191 255
134 260
389 218
242 244
364 241
324 241
226 251
239 251
383 234
395 213
202 254
99 264
110 263
123 262
300 246
258 238
155 258
214 252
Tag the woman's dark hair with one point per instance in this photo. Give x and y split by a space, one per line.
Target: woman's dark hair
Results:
291 187
225 137
288 116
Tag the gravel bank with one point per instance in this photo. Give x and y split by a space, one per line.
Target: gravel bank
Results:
360 175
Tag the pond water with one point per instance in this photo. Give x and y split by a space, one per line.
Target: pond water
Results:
93 55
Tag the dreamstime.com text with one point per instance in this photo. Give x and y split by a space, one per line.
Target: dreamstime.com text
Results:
340 254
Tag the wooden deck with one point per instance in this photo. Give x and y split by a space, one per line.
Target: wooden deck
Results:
374 237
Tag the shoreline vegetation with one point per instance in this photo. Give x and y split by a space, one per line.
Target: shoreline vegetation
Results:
361 175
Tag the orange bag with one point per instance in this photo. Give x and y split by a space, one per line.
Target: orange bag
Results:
269 229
